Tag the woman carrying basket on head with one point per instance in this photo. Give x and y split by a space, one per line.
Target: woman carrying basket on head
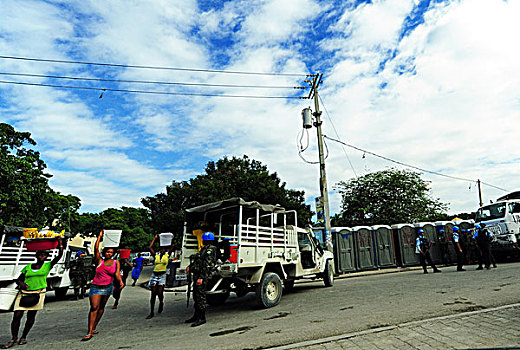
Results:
102 285
33 283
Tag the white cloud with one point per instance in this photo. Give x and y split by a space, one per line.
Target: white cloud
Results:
372 25
115 166
447 114
277 20
96 193
447 101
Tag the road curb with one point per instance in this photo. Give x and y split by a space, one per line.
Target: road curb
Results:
377 272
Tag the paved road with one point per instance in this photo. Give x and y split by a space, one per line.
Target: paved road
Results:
494 328
311 312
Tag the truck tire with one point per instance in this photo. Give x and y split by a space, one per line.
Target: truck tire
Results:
328 275
217 298
269 290
60 293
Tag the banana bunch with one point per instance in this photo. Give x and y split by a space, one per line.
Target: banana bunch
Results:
33 233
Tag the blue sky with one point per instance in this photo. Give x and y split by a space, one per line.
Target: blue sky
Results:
427 82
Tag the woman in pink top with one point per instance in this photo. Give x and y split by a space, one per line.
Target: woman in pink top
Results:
102 285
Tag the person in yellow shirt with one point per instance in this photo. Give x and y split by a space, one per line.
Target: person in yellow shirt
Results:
158 278
198 233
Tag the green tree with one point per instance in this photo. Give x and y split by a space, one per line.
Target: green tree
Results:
60 210
137 229
88 224
26 199
225 178
134 222
387 197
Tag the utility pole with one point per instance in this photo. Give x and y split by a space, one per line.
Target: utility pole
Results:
479 193
323 176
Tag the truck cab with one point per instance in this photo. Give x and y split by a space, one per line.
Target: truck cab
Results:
262 250
502 219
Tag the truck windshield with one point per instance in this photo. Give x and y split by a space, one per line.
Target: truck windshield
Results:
490 212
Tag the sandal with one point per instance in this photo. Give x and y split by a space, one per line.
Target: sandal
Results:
10 344
22 341
149 316
95 331
87 337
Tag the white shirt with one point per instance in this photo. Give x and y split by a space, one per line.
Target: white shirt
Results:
455 237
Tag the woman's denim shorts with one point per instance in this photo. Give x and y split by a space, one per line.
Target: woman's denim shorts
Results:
101 290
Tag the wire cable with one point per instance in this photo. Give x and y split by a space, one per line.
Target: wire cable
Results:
413 166
151 82
147 92
302 149
337 135
149 67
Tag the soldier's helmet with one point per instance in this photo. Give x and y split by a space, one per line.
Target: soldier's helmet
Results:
420 231
478 226
208 236
455 228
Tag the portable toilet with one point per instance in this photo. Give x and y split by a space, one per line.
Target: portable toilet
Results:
445 242
467 224
364 244
471 253
404 236
384 244
431 234
448 226
344 249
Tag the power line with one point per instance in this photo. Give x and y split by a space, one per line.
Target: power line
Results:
147 92
412 166
151 81
150 67
336 132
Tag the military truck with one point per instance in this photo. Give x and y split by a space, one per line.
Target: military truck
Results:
262 250
503 221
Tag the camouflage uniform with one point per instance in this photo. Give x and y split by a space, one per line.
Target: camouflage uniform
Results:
202 267
81 272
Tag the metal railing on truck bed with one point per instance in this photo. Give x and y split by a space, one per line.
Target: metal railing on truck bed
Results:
258 243
254 243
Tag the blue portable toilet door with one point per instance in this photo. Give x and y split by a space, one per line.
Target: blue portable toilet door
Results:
365 257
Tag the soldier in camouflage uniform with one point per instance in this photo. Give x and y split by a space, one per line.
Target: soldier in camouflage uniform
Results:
202 267
80 273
